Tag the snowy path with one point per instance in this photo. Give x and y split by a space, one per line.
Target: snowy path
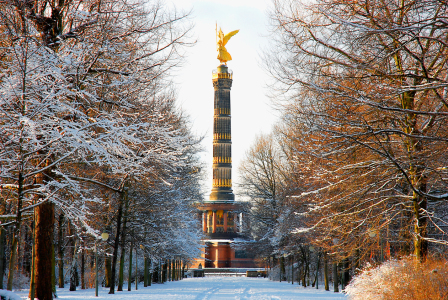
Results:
209 288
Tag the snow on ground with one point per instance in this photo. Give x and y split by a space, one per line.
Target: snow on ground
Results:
208 288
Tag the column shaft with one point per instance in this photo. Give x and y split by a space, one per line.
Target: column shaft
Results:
214 221
225 221
204 221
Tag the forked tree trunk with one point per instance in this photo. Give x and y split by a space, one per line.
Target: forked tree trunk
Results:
117 242
416 173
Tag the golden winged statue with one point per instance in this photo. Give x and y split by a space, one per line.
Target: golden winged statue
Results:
222 40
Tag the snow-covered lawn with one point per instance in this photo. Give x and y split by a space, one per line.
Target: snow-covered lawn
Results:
209 288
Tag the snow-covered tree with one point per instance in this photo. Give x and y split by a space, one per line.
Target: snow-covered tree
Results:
75 78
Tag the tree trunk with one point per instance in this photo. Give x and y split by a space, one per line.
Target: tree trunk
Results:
335 278
292 269
420 224
282 268
107 265
33 265
160 271
83 265
117 240
74 268
53 271
61 250
145 272
308 271
183 271
123 248
165 272
121 271
150 273
26 251
327 286
16 233
43 246
130 267
136 270
172 263
346 273
341 267
2 255
155 274
303 271
417 177
316 279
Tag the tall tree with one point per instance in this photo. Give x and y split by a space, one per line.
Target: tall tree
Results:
263 182
368 78
73 74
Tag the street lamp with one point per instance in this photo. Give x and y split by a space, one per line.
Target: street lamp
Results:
372 234
104 237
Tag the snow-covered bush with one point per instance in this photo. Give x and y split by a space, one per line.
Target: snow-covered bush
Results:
402 279
8 295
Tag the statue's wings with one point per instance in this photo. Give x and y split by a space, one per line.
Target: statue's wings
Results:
228 36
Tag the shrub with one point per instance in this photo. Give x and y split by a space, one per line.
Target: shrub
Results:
404 279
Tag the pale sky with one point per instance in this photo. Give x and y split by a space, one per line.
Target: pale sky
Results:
250 107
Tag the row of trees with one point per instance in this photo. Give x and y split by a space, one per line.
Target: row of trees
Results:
358 164
90 135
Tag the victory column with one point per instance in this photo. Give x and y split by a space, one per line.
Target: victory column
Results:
219 213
